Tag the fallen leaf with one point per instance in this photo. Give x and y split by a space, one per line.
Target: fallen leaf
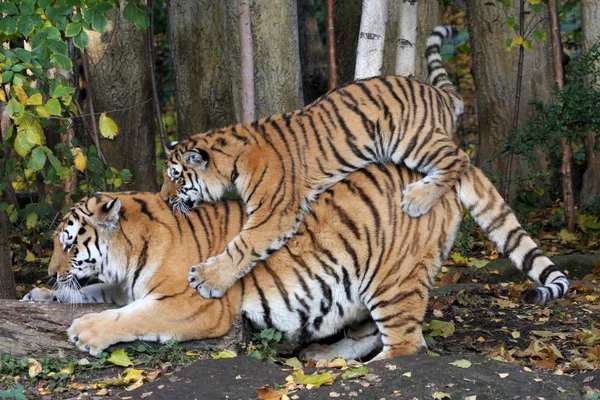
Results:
502 375
461 363
267 393
338 363
294 363
334 394
407 374
35 368
102 392
120 357
224 354
314 380
353 373
515 334
441 396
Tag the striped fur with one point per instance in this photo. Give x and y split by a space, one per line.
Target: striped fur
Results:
357 261
281 163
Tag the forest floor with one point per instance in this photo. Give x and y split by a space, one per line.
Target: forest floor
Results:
482 342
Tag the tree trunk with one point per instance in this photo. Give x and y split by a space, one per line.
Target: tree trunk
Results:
247 67
406 52
7 279
31 329
495 75
371 39
312 54
428 18
199 38
278 78
590 191
347 14
120 80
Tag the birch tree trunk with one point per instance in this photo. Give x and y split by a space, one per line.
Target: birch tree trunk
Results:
371 39
247 54
407 38
199 40
590 191
495 75
120 79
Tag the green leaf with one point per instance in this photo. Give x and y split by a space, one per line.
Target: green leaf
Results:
353 373
56 46
72 29
108 127
31 220
42 111
25 25
120 357
26 139
53 107
38 159
461 363
8 25
294 363
316 379
38 38
23 54
568 237
55 162
35 100
7 76
14 107
81 41
99 22
224 354
440 396
441 328
6 7
62 62
76 18
44 3
53 33
60 91
133 13
27 7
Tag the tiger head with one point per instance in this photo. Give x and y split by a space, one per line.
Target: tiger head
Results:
81 240
192 175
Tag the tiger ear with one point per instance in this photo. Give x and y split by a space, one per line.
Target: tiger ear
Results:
196 158
106 215
170 147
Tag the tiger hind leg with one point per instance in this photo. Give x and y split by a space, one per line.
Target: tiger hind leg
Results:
360 341
399 314
442 161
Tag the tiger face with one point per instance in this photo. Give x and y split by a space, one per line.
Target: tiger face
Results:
192 175
81 240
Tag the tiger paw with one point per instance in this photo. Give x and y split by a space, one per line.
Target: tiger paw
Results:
213 278
93 333
40 294
418 198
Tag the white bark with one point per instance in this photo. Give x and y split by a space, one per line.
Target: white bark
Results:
247 50
407 38
371 39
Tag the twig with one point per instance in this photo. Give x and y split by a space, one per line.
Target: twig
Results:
155 99
331 63
517 107
90 134
90 98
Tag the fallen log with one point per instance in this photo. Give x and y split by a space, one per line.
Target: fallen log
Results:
37 329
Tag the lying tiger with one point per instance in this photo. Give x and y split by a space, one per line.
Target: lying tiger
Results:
357 261
281 163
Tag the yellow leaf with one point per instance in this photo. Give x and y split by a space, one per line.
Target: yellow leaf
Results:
440 396
120 357
21 95
354 373
133 375
517 41
461 363
79 159
35 100
502 375
294 362
224 354
29 257
67 370
566 236
191 353
314 380
108 127
459 259
42 111
338 363
534 1
35 368
2 95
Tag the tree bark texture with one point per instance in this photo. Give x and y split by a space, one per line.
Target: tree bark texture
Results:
312 54
7 279
119 76
199 39
406 52
247 67
371 39
277 73
347 25
495 75
331 62
30 329
590 190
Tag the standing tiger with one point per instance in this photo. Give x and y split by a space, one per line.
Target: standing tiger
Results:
280 164
356 261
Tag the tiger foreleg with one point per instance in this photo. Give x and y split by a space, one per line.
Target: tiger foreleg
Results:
96 293
443 163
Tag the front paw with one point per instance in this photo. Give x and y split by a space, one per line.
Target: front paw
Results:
211 279
418 198
40 294
92 333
